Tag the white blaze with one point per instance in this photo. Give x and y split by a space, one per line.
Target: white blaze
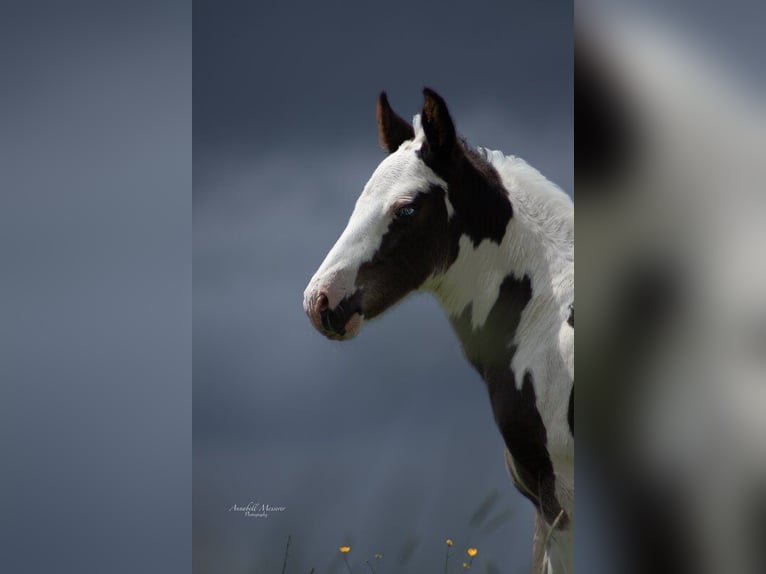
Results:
395 182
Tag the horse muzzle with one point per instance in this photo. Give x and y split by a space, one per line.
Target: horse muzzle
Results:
335 317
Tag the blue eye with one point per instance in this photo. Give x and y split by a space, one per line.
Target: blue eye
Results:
406 211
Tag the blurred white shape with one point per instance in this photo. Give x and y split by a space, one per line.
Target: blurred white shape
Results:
691 195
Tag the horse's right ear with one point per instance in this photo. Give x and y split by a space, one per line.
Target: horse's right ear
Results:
437 124
392 129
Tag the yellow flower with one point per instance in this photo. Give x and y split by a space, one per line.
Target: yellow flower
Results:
472 552
449 542
345 549
466 565
378 555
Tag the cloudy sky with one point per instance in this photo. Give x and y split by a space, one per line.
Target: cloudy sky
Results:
385 442
95 294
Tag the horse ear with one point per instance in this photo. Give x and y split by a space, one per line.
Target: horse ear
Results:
437 123
392 129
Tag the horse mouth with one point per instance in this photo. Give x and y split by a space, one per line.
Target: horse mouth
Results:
341 332
342 321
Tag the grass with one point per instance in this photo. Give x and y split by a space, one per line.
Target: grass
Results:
484 519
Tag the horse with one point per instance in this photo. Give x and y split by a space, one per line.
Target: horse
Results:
493 240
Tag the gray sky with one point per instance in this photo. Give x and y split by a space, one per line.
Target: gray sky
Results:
95 295
387 440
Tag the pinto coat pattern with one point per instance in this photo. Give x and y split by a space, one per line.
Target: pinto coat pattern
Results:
493 240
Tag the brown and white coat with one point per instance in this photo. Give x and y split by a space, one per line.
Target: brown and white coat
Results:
493 240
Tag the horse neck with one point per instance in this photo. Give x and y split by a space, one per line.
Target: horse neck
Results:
534 260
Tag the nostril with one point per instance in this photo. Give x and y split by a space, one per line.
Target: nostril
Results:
322 302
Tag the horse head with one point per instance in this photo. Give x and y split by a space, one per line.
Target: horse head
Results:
398 235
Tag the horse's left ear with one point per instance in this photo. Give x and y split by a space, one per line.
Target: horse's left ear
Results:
392 129
437 124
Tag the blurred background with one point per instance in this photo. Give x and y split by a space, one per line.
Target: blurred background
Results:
385 443
671 278
95 286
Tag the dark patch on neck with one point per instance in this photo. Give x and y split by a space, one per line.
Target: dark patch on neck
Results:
476 192
522 427
489 345
570 320
490 349
412 249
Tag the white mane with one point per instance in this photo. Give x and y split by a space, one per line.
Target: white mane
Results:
524 179
534 197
